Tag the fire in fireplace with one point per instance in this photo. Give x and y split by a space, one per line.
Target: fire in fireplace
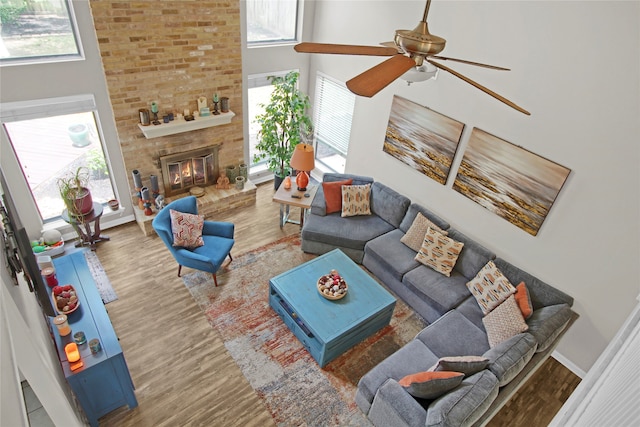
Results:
184 170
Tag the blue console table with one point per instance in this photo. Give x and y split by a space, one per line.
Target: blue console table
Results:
103 384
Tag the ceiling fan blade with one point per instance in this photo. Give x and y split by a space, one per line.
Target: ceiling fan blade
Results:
464 61
345 49
479 86
377 78
393 45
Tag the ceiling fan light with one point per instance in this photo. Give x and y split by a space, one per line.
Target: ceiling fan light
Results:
419 74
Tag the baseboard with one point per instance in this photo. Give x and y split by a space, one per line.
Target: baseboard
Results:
568 364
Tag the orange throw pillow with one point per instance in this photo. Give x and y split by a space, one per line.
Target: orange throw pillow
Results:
429 384
523 300
333 195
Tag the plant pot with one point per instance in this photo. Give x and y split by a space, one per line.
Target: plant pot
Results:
79 134
83 202
113 204
239 182
232 173
277 180
244 171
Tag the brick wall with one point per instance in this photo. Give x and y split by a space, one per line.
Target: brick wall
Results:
171 52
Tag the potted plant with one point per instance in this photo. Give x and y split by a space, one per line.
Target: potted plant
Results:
75 193
283 124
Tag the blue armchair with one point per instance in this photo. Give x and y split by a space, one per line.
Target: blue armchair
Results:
217 237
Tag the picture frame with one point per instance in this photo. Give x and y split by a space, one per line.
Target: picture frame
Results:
422 138
508 180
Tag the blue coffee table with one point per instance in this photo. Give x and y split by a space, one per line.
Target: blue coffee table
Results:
329 328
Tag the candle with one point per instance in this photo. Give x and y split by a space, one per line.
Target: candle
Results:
144 194
154 107
79 338
62 324
154 184
186 112
72 352
215 97
137 179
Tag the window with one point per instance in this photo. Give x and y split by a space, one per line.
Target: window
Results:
270 21
52 138
333 114
258 93
37 31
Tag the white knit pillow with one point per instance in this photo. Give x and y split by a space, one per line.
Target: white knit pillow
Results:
504 322
415 233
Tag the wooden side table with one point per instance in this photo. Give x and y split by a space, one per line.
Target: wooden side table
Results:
293 197
83 227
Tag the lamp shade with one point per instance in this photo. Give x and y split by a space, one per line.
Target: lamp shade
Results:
303 158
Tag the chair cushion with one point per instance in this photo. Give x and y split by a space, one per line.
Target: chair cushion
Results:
186 229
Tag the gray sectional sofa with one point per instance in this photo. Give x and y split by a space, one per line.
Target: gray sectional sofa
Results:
454 317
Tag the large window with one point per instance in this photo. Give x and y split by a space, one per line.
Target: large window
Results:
271 21
258 94
53 139
334 105
42 30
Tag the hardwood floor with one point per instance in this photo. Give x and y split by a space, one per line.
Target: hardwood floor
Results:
179 365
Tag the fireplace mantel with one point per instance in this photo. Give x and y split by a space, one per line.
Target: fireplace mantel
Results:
179 126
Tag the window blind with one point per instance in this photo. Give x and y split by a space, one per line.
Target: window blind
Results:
333 113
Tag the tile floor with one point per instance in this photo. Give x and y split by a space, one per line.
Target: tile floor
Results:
38 417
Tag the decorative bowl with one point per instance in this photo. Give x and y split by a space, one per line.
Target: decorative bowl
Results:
332 286
50 250
65 296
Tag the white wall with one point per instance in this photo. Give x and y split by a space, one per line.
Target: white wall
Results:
575 67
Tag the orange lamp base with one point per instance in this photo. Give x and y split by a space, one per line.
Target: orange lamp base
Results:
302 180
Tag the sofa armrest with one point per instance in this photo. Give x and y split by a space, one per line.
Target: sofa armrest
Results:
393 406
218 228
318 205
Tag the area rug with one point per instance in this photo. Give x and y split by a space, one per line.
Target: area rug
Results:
105 289
294 388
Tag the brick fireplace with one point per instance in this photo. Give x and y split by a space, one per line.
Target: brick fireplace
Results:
173 53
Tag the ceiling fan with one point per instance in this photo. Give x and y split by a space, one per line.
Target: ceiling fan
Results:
409 49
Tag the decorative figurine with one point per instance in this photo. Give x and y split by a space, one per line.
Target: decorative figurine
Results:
223 181
159 202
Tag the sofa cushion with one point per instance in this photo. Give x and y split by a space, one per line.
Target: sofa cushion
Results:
468 365
443 293
387 250
490 287
415 235
388 204
318 206
524 300
411 358
413 210
353 232
333 195
356 200
541 293
465 404
473 257
430 384
469 339
439 252
507 359
546 323
504 321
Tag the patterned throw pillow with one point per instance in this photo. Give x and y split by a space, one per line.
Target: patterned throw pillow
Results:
415 233
524 300
429 385
187 229
490 287
504 322
333 195
356 200
439 252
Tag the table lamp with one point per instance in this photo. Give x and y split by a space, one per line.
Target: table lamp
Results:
303 161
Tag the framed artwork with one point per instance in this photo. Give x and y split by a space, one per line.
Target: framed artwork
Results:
422 138
508 180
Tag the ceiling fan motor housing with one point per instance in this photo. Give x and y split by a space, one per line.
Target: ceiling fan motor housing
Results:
419 43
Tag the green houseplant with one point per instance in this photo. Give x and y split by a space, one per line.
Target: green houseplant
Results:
283 124
75 193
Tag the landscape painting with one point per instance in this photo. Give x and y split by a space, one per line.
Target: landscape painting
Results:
514 183
422 138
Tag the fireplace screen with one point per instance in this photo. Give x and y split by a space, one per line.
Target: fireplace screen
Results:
185 170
